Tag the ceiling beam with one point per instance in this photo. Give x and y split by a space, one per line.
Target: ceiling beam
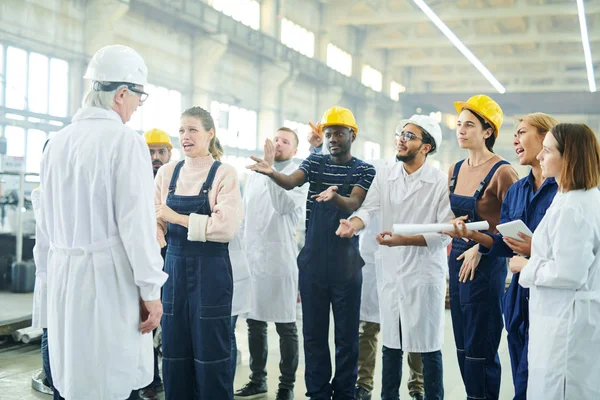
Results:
399 59
481 87
571 102
458 14
381 42
504 77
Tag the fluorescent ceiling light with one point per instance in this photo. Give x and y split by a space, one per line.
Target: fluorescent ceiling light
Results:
460 46
586 46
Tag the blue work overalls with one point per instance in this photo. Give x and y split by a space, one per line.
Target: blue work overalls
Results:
476 306
524 203
196 299
330 275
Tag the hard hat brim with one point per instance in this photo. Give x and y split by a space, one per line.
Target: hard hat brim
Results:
405 122
323 126
463 105
169 145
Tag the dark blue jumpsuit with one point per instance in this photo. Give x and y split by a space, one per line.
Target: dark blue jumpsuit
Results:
475 306
196 298
524 203
330 276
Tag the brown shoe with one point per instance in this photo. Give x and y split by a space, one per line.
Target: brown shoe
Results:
148 394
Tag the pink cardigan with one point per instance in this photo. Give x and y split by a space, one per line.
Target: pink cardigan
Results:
225 198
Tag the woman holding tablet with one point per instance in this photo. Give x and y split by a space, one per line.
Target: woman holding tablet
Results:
527 200
478 185
563 272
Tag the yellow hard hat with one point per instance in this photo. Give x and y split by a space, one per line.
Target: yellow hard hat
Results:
338 116
156 137
485 107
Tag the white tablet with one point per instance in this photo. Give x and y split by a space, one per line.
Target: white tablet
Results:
512 228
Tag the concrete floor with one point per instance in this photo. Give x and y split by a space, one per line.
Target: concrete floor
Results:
18 364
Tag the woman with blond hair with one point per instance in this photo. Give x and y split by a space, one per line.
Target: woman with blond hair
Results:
563 273
199 209
527 200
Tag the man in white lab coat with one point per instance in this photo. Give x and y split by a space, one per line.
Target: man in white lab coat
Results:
272 216
96 243
410 269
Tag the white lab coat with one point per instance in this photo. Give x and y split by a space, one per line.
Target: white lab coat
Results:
410 279
242 282
367 244
272 215
38 317
563 275
96 244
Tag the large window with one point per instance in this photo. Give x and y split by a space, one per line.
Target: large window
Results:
239 162
298 38
36 90
245 11
161 110
236 126
339 60
372 151
302 130
36 83
372 78
395 90
27 145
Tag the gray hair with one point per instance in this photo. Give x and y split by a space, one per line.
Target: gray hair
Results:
101 99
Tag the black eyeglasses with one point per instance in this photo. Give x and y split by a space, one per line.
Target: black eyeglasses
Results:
407 136
108 87
143 95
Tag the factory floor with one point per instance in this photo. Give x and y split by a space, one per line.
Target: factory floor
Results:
18 363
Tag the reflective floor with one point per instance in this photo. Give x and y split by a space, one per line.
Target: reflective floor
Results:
18 364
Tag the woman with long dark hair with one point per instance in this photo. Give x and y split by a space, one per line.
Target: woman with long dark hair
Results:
477 186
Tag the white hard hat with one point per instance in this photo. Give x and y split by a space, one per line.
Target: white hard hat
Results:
117 63
426 123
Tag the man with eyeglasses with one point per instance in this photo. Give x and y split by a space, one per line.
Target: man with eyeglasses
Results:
98 259
411 270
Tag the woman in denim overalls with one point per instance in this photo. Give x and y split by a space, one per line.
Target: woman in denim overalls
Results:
477 282
202 210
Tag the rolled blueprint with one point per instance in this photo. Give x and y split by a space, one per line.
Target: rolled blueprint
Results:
419 229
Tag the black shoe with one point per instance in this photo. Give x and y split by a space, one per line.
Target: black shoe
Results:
417 396
362 394
148 393
284 394
251 391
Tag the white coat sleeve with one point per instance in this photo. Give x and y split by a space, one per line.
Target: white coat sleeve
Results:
40 256
286 201
135 214
572 251
372 204
444 214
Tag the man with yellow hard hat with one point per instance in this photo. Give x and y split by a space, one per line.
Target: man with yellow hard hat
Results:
159 144
329 266
160 147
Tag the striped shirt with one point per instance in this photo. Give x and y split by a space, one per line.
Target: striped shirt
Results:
334 175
